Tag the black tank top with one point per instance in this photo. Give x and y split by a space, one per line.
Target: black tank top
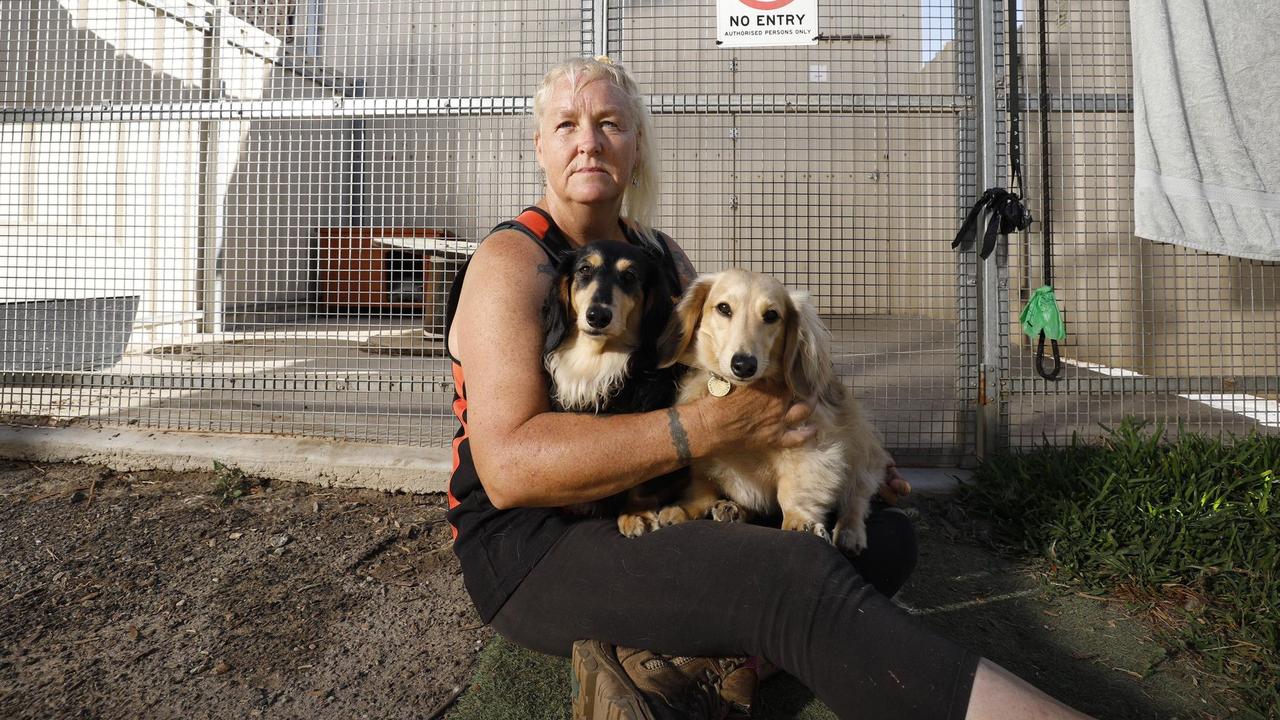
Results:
498 548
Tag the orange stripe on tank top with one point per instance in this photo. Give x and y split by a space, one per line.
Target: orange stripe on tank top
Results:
459 411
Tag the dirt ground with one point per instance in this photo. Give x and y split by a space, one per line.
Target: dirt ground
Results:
145 595
160 595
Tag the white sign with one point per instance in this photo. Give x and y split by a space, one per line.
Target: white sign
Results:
766 23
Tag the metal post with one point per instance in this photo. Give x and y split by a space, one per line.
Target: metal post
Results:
990 329
207 301
600 27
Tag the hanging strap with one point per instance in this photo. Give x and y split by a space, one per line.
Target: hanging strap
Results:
1046 227
1015 96
1057 360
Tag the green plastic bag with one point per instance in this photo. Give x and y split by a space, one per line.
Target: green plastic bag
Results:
1041 313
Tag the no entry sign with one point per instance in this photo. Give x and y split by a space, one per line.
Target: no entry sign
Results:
766 23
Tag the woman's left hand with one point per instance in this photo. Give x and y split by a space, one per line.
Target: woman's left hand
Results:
895 486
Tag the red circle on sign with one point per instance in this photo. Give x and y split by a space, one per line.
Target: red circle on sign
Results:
765 4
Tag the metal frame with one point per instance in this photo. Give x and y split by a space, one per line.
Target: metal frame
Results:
989 290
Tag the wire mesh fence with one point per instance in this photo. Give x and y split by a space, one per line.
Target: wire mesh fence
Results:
1155 331
243 215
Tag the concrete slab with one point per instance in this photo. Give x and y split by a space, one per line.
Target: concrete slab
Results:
935 481
319 461
313 460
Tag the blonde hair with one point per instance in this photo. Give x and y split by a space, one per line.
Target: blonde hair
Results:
640 198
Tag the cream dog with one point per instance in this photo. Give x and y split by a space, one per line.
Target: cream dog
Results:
736 327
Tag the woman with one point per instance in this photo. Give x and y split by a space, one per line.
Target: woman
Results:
545 580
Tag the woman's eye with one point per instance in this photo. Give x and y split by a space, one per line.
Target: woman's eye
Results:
564 125
771 316
609 124
724 309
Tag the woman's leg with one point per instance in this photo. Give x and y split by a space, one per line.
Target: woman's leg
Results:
1000 695
711 589
891 552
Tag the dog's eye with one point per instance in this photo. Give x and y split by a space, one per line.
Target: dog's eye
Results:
771 316
628 277
724 309
584 272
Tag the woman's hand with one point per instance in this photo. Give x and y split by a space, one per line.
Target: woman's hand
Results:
761 414
895 486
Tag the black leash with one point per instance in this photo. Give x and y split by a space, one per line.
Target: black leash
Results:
1007 213
1046 226
1015 95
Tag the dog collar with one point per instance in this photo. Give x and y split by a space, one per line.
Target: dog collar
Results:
717 385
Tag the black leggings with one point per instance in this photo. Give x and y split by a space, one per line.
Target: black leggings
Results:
706 588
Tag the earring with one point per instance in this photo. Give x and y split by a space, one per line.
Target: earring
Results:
635 180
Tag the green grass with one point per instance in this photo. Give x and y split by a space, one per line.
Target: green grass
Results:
1189 528
229 483
514 684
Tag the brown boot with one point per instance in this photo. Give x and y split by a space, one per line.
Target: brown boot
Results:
733 679
602 690
630 684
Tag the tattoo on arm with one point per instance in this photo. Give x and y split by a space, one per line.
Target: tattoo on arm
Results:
679 438
547 268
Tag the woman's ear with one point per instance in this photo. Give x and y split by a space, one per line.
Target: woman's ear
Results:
558 316
807 348
684 322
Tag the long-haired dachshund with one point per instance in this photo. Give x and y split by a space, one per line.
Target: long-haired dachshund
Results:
737 327
602 319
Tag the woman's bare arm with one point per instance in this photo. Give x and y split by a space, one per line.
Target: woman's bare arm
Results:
528 456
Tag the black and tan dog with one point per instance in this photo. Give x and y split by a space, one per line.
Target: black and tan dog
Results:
602 319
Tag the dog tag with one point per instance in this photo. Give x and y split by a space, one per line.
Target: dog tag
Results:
717 385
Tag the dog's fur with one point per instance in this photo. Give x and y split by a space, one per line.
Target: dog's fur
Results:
602 318
748 320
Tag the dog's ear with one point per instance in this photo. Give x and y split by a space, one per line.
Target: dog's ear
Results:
558 316
684 321
807 348
658 305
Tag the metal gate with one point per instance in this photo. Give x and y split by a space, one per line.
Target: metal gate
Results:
241 215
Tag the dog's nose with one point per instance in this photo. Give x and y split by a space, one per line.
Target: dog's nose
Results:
598 317
743 365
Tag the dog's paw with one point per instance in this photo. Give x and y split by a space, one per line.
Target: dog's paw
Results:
672 515
821 531
728 511
852 539
798 524
633 525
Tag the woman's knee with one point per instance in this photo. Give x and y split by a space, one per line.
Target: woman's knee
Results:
802 560
892 550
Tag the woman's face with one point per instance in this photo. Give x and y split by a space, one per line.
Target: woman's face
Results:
586 142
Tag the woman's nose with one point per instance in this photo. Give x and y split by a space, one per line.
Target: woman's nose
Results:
589 141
